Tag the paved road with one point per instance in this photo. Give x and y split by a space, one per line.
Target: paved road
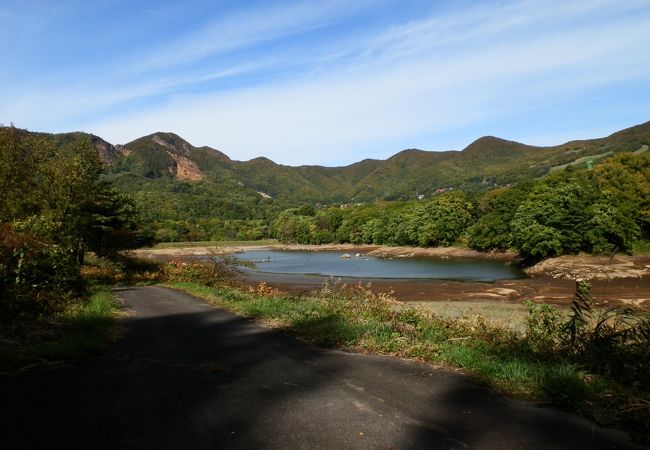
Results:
189 376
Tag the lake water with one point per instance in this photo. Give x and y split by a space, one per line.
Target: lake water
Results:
332 264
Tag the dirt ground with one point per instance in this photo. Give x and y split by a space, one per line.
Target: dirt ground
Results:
622 279
372 250
631 291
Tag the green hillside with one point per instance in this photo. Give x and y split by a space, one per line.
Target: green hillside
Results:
189 192
487 162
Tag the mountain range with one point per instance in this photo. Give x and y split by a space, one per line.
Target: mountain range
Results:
164 158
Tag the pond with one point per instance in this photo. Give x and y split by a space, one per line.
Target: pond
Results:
362 266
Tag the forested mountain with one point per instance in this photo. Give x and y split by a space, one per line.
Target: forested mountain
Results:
486 162
188 192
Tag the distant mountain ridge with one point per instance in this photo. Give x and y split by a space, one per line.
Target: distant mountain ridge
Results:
486 162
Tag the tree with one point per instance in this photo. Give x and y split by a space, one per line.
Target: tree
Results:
493 229
442 220
568 213
53 207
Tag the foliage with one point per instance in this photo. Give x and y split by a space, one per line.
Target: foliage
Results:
565 213
53 208
212 209
610 344
442 220
625 180
81 329
610 340
219 269
36 277
122 269
56 193
439 221
496 209
544 327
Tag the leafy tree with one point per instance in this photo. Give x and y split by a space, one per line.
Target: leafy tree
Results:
442 220
553 219
492 229
567 213
53 207
625 179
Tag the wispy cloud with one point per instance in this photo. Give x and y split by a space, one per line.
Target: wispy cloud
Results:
246 28
301 84
163 15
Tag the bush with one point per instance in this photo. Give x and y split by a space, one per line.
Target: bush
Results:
610 340
544 327
36 276
604 339
219 269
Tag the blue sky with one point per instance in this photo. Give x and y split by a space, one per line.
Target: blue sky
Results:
326 82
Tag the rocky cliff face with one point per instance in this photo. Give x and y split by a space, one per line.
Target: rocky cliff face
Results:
185 169
182 167
108 152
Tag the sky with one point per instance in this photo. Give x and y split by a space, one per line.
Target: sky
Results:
326 82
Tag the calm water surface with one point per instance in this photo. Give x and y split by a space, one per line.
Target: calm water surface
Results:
332 264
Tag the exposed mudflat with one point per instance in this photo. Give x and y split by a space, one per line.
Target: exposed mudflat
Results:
541 289
587 267
372 250
621 279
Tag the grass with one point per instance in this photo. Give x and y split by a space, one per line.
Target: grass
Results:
214 244
641 248
80 331
499 357
510 316
581 161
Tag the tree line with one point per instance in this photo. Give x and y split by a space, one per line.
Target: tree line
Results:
570 211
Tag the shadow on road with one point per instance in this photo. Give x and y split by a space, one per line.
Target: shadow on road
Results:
186 375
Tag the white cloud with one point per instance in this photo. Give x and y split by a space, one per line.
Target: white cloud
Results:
325 119
370 97
246 28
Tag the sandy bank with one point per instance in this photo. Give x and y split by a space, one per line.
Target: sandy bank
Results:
372 250
587 267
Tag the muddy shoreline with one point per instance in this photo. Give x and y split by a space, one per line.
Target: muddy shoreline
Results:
620 280
560 292
371 250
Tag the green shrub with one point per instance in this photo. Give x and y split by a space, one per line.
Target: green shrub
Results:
36 276
544 327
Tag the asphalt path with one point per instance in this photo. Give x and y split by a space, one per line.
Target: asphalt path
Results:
190 376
